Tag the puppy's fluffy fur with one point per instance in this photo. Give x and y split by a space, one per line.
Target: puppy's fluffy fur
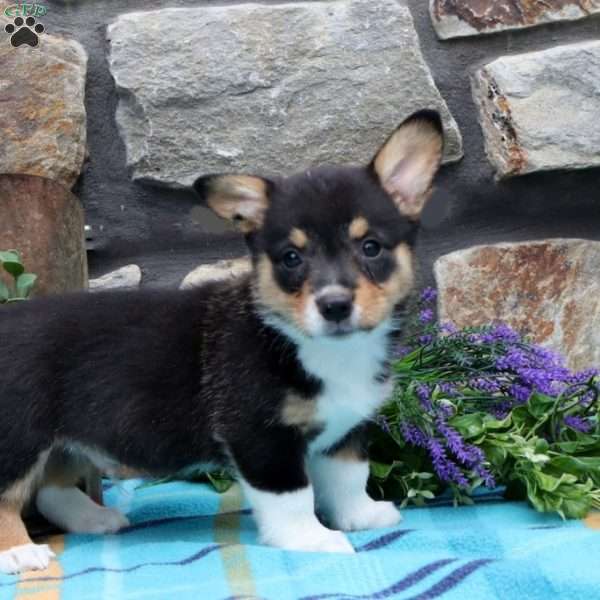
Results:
274 373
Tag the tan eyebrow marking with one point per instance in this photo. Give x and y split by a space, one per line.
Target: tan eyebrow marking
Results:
358 228
298 238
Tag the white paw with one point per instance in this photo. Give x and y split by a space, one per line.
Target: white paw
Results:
367 514
28 557
98 520
316 539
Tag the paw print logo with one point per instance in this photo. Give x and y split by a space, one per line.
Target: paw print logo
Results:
24 31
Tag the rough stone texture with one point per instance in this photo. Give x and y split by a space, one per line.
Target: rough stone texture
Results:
224 269
458 18
42 113
539 111
128 277
547 289
266 88
44 221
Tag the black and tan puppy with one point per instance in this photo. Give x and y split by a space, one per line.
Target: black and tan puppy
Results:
273 373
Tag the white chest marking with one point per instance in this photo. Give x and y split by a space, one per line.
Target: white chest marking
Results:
348 367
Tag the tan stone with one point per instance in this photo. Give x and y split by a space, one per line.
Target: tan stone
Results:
42 112
223 269
549 290
457 18
44 222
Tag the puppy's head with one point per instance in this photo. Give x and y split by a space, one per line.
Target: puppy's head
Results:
332 247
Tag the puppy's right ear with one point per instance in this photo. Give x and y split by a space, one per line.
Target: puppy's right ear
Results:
241 199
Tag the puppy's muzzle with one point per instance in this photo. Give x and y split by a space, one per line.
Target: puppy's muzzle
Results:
335 306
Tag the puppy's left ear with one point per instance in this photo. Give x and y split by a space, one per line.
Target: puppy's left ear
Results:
242 199
406 164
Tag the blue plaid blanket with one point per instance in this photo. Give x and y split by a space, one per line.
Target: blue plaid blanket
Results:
188 542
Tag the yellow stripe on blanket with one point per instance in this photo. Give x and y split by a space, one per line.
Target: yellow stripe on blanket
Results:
30 588
227 531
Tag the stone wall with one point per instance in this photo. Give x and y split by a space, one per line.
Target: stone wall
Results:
177 88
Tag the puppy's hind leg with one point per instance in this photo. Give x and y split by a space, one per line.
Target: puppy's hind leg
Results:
17 552
62 503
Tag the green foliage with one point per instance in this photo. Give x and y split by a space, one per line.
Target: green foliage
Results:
456 391
21 282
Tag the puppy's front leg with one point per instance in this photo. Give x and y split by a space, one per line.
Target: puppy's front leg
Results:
275 483
340 481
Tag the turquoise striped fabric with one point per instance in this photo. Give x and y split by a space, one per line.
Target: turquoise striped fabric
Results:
187 542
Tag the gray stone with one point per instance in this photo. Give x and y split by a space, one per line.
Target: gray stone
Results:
126 278
224 269
42 113
548 289
458 18
266 88
539 111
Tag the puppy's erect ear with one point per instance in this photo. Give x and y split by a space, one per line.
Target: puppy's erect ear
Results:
239 198
408 161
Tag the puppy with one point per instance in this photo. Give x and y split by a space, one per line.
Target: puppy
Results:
274 373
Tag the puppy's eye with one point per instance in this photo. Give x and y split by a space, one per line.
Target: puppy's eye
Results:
291 259
371 248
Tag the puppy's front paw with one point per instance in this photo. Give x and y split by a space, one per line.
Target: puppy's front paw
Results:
367 514
331 541
28 557
310 538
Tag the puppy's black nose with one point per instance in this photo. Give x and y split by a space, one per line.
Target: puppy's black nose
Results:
335 306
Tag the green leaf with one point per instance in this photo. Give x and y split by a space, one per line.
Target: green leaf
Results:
25 283
220 483
9 256
13 267
469 425
4 293
381 470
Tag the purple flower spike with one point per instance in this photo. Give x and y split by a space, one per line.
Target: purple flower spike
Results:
578 424
426 316
429 294
413 435
445 468
425 340
485 385
520 393
383 423
424 395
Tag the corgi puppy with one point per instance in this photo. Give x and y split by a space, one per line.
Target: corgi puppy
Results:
274 373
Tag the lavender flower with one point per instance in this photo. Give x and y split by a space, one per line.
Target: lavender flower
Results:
426 316
485 385
383 423
469 455
582 376
424 396
448 389
579 424
429 295
413 435
520 393
426 339
448 328
445 468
